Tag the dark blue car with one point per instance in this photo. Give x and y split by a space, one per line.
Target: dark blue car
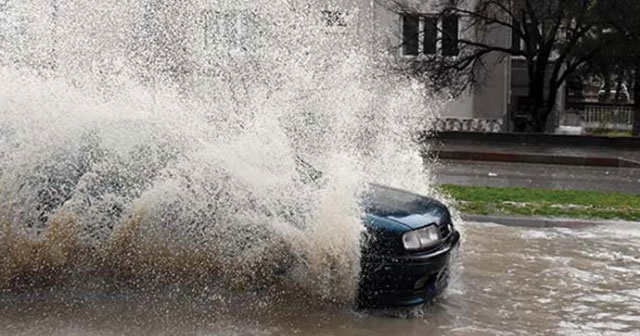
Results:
407 248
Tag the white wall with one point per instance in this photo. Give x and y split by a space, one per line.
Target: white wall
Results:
490 101
492 96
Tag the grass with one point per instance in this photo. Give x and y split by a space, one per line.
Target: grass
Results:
608 132
544 202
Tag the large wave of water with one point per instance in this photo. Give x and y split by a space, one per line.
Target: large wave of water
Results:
125 150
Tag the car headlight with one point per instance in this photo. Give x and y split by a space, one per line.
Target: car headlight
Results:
421 239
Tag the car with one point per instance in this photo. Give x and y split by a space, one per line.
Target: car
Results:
615 95
407 248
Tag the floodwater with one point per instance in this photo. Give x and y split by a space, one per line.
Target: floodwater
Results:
508 281
169 138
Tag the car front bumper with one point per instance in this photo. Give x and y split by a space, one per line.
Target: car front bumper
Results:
406 280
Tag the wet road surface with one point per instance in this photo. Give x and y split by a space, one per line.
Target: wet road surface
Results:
508 281
506 174
580 147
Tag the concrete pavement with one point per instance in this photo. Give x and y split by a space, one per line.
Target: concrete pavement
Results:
549 176
543 161
473 150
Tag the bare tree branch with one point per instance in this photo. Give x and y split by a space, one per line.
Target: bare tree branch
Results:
559 37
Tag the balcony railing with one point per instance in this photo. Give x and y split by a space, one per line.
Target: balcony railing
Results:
469 125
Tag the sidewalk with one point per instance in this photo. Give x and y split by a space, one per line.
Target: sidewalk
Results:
537 161
544 153
534 175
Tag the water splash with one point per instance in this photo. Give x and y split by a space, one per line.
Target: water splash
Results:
190 140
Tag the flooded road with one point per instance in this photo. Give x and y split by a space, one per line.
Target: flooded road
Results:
509 281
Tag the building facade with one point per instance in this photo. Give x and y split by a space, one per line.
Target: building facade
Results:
183 38
490 100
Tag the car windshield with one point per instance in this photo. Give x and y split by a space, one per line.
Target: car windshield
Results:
380 197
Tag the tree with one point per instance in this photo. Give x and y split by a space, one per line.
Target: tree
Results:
555 38
624 17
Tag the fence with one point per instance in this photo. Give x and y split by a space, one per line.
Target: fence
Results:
603 116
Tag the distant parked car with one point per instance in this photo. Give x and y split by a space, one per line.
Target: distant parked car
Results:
407 249
623 95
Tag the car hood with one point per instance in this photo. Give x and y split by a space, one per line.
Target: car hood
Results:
409 209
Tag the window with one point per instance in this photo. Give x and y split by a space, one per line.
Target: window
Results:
410 34
516 41
430 40
564 33
229 31
334 18
429 35
450 35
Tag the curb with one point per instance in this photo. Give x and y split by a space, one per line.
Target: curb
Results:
535 158
541 222
552 140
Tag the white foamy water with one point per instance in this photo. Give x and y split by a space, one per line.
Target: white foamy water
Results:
194 140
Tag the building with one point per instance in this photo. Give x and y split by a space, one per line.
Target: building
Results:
489 102
502 97
145 30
